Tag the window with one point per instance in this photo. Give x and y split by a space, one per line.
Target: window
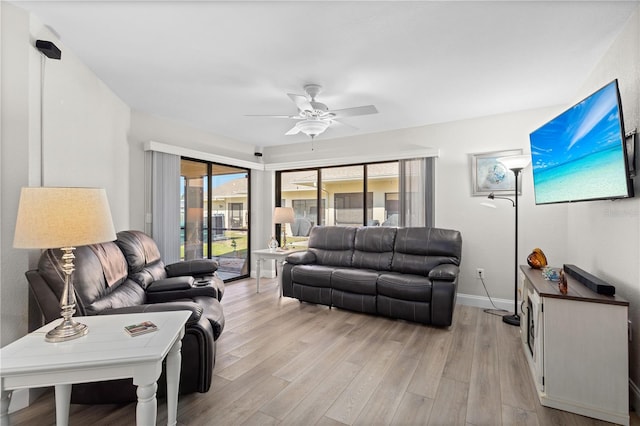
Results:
398 193
348 208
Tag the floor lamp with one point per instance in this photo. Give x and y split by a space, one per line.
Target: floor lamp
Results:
515 163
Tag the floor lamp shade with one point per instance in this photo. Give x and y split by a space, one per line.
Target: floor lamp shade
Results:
63 218
517 162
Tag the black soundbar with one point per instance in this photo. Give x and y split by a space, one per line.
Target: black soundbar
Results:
594 283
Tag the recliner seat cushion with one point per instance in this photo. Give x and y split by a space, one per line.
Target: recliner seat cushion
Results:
405 286
312 275
359 281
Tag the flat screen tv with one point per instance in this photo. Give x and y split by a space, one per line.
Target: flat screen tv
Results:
581 154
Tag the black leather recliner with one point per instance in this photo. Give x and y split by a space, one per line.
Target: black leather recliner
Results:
128 276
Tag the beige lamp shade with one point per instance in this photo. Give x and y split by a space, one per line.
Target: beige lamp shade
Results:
63 217
283 215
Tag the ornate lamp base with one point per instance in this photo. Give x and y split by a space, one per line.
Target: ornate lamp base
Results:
67 330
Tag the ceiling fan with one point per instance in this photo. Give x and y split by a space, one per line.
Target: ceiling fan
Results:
315 117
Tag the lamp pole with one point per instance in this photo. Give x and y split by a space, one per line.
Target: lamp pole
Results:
515 318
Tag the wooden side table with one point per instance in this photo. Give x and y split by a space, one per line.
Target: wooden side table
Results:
278 255
107 352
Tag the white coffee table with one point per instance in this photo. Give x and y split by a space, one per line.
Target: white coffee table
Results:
106 353
278 255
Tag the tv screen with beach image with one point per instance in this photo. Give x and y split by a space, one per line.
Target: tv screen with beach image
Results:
580 155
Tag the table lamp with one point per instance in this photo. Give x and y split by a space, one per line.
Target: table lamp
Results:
283 215
63 218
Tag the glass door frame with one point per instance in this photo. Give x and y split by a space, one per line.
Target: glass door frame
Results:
209 210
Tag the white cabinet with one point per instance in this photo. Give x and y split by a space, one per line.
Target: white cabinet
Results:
577 347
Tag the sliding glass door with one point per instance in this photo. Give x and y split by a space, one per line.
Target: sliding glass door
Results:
214 215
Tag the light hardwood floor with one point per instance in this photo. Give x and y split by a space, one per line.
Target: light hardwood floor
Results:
284 362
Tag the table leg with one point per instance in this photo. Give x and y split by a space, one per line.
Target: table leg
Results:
258 267
63 399
5 399
147 405
174 358
279 264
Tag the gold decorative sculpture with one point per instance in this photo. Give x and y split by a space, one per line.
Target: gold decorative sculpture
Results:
537 259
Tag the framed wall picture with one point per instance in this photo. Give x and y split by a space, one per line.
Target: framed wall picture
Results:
488 175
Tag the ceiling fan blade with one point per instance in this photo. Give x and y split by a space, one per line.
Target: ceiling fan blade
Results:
301 102
293 117
294 131
342 123
350 112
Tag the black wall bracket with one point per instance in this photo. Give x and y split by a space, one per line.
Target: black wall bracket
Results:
48 49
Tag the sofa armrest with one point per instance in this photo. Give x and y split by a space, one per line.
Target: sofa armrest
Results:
181 294
194 308
168 284
443 300
444 272
194 267
301 258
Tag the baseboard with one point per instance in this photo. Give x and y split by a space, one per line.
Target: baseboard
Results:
634 396
484 302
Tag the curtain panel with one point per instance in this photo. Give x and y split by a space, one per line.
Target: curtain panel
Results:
165 204
416 192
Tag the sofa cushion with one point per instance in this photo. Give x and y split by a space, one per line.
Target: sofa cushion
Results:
418 250
404 286
361 281
89 274
373 248
125 295
312 275
332 245
143 257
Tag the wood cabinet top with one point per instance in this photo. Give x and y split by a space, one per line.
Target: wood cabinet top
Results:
576 290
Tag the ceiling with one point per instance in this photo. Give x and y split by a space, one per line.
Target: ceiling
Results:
211 63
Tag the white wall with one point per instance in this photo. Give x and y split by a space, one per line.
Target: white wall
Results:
85 128
604 237
146 128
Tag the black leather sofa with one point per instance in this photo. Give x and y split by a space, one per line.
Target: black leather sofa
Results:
405 273
128 276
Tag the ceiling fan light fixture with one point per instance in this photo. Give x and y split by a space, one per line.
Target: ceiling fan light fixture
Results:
312 127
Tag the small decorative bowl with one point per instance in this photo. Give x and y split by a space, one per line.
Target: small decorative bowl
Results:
551 274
